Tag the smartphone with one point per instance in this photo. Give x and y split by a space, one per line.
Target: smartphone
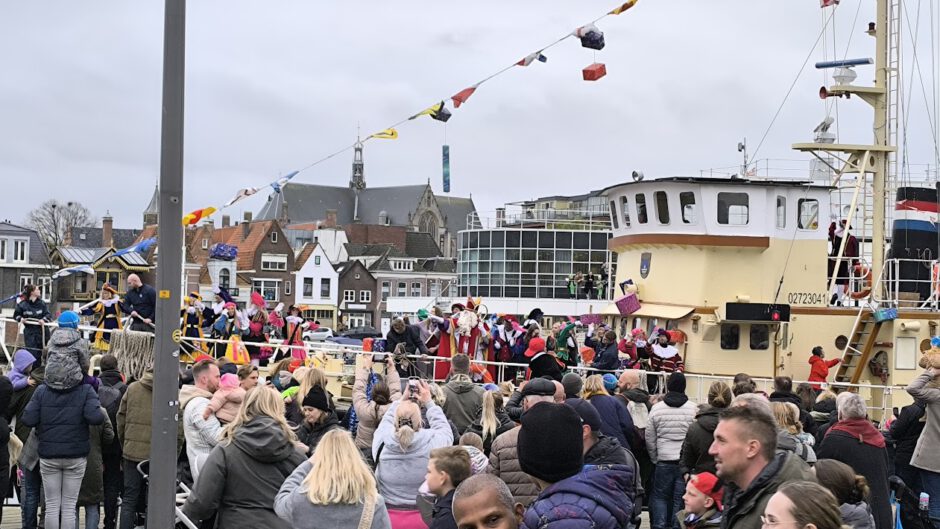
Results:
413 386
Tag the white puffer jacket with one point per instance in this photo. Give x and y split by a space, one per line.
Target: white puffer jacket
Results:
666 430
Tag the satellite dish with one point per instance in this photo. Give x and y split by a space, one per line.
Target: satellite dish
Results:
637 176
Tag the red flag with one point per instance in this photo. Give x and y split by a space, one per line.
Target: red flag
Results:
827 3
463 95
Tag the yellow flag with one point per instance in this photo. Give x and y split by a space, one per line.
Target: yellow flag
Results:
430 111
387 134
623 7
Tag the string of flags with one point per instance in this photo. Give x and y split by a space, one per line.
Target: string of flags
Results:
590 36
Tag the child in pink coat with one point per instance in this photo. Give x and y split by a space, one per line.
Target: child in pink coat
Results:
226 400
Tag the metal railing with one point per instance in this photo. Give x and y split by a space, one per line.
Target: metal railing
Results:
548 219
910 284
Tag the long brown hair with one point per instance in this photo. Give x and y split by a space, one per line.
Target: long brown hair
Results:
842 481
812 504
260 401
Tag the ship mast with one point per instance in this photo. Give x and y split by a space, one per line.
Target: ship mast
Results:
870 159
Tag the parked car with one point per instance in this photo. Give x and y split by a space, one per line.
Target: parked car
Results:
318 335
342 340
360 333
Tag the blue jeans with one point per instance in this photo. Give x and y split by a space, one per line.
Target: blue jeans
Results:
931 484
31 490
666 498
92 515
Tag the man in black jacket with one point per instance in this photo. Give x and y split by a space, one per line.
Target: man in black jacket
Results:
141 303
110 392
783 392
407 337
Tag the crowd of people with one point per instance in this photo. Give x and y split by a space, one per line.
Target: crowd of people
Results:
556 449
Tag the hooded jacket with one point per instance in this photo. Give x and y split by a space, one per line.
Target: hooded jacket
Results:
669 423
293 506
924 456
92 491
607 357
18 402
463 400
310 434
743 508
600 497
240 479
616 421
367 411
201 434
859 445
135 419
694 458
22 360
504 464
819 369
61 419
906 431
66 359
857 515
711 518
399 471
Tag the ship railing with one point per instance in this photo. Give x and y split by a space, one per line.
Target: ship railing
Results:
856 276
594 219
909 284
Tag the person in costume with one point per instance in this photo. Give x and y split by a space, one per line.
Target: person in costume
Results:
836 234
226 326
210 313
566 346
294 326
193 316
276 322
664 357
108 312
463 332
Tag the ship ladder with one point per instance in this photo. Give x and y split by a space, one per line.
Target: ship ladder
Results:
859 348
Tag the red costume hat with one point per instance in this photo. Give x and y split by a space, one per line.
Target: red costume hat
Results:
707 484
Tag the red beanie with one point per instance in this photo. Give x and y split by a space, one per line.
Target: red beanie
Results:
707 484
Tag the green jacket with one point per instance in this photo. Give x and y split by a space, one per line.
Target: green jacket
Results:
711 518
743 508
135 419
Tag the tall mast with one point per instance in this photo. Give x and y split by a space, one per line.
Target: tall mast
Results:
866 159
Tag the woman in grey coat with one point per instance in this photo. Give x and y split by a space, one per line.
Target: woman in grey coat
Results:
334 488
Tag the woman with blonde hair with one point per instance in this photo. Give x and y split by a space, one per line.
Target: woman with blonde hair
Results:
492 421
616 421
313 376
334 488
241 477
791 436
401 448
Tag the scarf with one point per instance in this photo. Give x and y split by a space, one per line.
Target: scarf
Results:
860 429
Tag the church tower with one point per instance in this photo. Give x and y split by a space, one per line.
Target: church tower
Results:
357 181
152 213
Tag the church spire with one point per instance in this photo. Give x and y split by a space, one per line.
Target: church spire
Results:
151 214
358 180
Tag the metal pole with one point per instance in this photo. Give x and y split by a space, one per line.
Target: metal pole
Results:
162 495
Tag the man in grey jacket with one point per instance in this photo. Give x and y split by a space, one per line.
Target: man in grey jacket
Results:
463 397
201 434
669 422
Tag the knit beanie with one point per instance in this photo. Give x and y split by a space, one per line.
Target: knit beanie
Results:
229 380
68 320
573 384
676 383
610 382
316 398
228 368
550 442
587 412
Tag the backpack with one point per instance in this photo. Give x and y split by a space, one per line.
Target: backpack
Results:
110 397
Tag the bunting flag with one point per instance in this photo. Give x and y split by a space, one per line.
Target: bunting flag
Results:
827 3
387 134
193 218
141 247
242 194
532 57
80 269
15 297
462 96
430 111
624 7
281 182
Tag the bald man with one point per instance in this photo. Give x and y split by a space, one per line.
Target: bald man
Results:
559 392
141 304
483 501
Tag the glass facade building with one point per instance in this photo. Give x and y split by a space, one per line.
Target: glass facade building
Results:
529 263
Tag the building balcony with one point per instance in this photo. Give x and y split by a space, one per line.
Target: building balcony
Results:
594 219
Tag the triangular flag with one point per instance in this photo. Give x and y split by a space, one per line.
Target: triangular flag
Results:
141 247
532 57
80 269
624 7
387 134
430 111
193 218
827 3
11 298
242 194
462 96
281 182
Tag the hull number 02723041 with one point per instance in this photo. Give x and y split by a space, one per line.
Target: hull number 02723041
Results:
806 298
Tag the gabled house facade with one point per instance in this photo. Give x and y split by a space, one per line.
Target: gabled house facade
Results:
23 260
317 283
357 302
78 289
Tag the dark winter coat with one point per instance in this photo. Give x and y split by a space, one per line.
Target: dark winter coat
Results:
6 393
92 491
240 479
504 424
863 450
599 497
809 424
695 458
34 336
743 508
295 413
143 300
66 359
906 430
112 387
857 515
513 406
442 517
545 365
607 357
413 345
504 464
62 418
18 404
463 401
616 421
607 451
711 518
310 434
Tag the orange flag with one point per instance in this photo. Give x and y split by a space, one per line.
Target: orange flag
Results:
463 95
193 218
623 7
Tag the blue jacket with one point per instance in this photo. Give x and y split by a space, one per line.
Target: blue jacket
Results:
599 497
607 357
616 421
62 418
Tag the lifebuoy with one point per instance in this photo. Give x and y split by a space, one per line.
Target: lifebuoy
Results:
863 274
935 278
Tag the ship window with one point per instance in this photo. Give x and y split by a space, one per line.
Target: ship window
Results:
641 208
809 214
733 209
760 337
781 212
730 336
687 203
613 215
625 206
662 207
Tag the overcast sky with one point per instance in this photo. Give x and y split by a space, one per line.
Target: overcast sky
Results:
273 86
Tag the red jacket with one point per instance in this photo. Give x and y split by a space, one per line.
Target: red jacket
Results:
819 371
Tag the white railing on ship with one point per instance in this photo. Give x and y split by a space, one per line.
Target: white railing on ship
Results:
909 298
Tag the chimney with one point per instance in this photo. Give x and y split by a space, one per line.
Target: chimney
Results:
107 236
247 216
246 228
226 221
330 218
